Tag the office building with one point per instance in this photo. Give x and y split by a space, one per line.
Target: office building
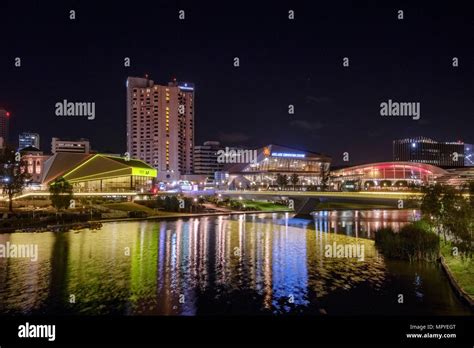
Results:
160 126
205 159
429 151
27 139
70 146
4 125
468 155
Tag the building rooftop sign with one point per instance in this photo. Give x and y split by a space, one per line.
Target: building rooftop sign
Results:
286 154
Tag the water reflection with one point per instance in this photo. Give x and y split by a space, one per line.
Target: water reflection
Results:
264 263
362 223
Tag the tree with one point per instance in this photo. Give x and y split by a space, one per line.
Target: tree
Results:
174 203
60 193
294 179
470 187
282 180
449 212
13 174
431 203
457 218
324 176
167 204
171 203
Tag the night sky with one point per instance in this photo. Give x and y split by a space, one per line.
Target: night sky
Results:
282 62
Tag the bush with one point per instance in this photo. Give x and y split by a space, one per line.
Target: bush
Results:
137 214
151 203
414 242
236 205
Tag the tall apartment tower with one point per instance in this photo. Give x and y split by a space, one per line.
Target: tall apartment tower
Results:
160 126
4 125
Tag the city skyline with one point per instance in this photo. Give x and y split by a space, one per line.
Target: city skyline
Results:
239 167
336 107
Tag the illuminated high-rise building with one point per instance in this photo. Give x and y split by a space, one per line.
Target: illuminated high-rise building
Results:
4 124
160 126
72 146
27 139
437 153
205 159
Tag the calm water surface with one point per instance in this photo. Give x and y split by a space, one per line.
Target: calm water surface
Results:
254 264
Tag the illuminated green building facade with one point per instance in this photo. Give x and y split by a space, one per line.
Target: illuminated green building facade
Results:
100 173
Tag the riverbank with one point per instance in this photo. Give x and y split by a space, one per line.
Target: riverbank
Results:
460 273
166 216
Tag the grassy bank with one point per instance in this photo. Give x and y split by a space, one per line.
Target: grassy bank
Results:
264 206
131 206
462 269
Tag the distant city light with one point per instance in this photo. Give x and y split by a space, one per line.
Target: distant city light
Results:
413 144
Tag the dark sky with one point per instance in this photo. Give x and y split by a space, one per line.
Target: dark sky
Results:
283 62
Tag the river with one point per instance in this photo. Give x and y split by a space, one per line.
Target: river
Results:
253 264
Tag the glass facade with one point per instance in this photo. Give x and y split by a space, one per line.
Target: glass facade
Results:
115 184
389 173
285 164
309 170
386 174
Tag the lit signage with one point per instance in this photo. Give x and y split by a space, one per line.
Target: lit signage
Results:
186 87
144 172
266 151
285 154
